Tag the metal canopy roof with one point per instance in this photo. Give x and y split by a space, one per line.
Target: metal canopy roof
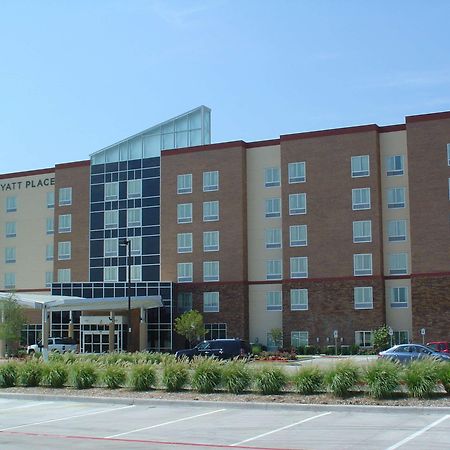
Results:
66 303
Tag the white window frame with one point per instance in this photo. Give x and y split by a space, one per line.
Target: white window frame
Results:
299 300
184 301
134 188
273 207
211 241
50 225
298 235
65 196
11 229
297 204
362 231
184 213
184 243
397 337
10 280
364 338
272 177
363 297
274 269
274 301
398 263
134 217
49 252
111 247
357 166
360 259
396 198
111 219
395 232
184 183
51 199
64 250
448 154
299 339
48 278
10 255
273 238
211 271
136 245
357 203
399 297
211 302
297 172
136 272
65 223
395 165
184 272
111 191
211 211
11 204
110 273
211 181
64 276
299 267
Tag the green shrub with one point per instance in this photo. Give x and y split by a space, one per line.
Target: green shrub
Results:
236 377
444 376
421 377
382 378
114 377
270 380
340 379
30 373
55 375
83 375
8 375
175 375
142 377
308 380
55 357
207 375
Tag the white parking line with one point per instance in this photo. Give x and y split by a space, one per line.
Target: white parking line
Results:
164 423
418 433
26 406
66 418
281 429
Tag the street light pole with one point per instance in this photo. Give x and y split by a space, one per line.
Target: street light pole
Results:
127 243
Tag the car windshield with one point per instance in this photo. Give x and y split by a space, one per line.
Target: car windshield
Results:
203 346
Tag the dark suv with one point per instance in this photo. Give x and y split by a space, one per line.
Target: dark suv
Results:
219 348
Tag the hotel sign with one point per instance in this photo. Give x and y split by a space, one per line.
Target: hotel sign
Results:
28 184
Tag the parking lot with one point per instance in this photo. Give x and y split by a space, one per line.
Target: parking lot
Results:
53 424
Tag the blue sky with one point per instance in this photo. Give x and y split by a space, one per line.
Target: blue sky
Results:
76 76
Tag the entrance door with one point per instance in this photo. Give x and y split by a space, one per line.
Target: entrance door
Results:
95 338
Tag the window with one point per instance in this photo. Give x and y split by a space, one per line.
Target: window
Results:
64 250
211 271
398 263
10 229
10 280
64 276
110 273
297 204
273 269
111 247
111 219
396 198
10 255
216 330
136 245
360 199
134 217
136 273
184 302
394 165
363 297
184 272
210 181
362 231
210 302
400 337
299 339
49 249
299 299
363 338
11 204
65 196
50 225
297 172
362 264
184 183
299 267
48 279
448 154
184 242
273 207
134 188
210 211
298 235
399 297
272 177
210 241
112 191
273 238
449 188
184 213
51 199
396 230
65 223
360 166
273 301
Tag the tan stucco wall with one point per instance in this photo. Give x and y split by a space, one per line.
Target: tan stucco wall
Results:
31 237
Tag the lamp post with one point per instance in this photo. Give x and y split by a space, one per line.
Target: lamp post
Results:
127 243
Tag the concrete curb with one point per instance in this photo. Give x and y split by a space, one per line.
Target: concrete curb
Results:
230 405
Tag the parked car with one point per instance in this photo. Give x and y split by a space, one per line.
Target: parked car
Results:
55 344
409 352
440 346
219 348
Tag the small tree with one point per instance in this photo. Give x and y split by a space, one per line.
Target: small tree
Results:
381 338
276 334
12 320
191 326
